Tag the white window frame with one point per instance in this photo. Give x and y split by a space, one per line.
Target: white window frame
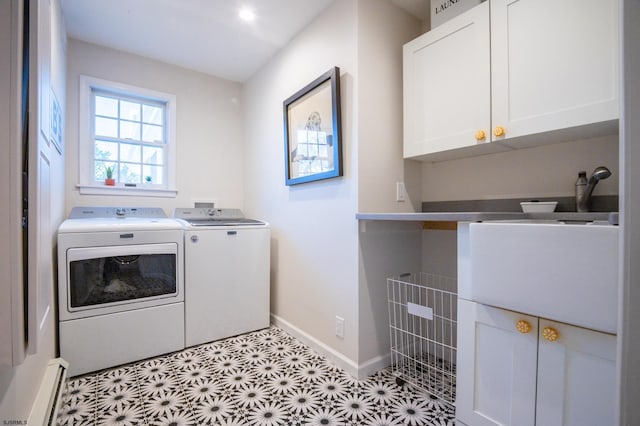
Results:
87 185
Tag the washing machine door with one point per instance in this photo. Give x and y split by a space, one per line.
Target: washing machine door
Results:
113 278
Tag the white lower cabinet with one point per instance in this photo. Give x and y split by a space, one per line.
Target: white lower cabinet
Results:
496 368
576 377
511 371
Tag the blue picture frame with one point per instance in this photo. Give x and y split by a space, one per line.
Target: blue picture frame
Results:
312 131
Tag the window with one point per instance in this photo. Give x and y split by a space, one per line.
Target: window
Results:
128 137
312 154
126 132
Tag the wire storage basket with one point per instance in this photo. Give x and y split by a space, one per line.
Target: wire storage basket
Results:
422 325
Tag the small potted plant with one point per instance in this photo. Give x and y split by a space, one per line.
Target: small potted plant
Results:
109 181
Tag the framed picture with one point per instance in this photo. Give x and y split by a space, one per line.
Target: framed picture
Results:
56 123
312 131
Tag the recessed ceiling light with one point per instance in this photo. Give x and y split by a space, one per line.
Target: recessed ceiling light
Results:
247 14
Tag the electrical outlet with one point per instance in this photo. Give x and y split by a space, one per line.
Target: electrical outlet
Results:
399 191
340 327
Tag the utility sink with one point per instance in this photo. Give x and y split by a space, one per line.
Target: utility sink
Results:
555 270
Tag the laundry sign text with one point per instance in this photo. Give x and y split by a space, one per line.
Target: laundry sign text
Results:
443 10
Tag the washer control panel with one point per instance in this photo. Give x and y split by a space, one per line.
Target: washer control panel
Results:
207 213
203 216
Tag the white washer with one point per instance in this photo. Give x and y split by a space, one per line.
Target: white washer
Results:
227 261
120 286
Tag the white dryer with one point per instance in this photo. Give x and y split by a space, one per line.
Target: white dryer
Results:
227 263
120 286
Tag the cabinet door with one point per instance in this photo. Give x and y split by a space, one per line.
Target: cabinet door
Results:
496 368
576 377
446 85
554 64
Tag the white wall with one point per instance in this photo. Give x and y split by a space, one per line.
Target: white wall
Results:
208 129
386 249
314 231
546 171
382 30
59 87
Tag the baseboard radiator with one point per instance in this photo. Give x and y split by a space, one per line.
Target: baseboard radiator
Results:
45 408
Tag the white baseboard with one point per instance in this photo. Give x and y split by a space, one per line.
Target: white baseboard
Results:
369 367
357 371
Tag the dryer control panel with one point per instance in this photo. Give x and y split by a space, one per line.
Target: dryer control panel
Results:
109 212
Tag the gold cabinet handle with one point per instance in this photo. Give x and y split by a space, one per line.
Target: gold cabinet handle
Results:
523 326
498 131
550 334
480 135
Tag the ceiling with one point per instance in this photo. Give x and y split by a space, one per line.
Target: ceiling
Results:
202 35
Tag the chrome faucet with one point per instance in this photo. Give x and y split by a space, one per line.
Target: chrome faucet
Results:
583 200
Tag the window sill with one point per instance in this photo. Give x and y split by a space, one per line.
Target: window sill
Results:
138 191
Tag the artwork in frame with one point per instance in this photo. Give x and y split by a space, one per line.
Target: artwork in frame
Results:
312 139
56 123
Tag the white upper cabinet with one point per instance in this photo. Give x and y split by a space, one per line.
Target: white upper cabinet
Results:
554 64
516 72
447 85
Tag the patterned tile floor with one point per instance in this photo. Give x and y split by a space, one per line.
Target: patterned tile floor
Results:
261 378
